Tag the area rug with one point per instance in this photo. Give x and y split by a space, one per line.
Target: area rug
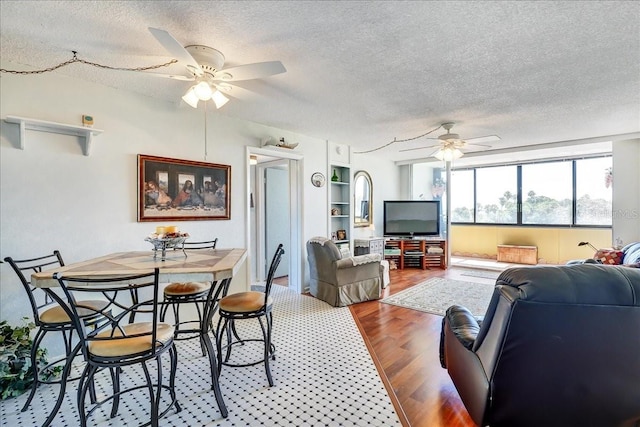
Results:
485 274
323 376
437 294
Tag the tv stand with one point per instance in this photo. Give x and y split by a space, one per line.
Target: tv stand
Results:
417 252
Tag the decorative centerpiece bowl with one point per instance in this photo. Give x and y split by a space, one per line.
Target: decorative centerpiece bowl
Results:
166 240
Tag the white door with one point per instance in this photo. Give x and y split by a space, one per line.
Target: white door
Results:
277 221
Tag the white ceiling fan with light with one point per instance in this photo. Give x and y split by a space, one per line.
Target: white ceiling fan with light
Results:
450 145
204 66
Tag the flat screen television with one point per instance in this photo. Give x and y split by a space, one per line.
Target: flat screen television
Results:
410 218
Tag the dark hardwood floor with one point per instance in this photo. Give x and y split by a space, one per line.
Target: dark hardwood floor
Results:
404 344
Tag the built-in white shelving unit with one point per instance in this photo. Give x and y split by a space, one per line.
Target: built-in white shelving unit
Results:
340 195
340 192
25 124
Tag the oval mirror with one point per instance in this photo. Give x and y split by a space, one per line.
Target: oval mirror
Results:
363 200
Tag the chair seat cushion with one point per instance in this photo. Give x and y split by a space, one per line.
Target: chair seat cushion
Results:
189 288
58 315
127 346
244 302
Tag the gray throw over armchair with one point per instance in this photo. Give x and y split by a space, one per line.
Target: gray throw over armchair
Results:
342 281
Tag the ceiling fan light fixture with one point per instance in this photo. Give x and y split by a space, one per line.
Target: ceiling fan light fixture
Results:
203 91
448 154
219 99
191 98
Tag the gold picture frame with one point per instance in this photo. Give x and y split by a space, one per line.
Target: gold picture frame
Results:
182 190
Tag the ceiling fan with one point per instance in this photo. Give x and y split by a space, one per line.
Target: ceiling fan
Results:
450 145
204 66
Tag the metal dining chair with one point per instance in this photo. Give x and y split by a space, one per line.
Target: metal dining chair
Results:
50 317
177 294
205 297
248 305
117 343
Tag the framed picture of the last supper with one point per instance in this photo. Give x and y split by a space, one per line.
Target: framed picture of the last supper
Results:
182 190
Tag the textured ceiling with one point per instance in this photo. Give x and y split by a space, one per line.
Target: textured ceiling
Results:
365 72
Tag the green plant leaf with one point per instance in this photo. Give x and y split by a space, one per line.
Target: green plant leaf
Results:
16 370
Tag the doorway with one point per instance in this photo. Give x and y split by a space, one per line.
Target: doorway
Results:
275 176
274 215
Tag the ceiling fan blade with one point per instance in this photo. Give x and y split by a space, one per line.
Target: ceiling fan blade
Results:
235 91
480 139
421 148
181 77
477 145
250 71
176 50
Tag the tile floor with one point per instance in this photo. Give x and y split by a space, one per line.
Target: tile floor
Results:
323 375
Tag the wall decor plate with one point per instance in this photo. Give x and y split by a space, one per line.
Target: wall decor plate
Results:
318 179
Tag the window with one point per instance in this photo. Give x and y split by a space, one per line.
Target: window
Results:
462 200
496 195
568 192
547 190
594 199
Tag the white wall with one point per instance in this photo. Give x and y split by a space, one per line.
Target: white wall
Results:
54 197
626 191
421 181
404 187
385 181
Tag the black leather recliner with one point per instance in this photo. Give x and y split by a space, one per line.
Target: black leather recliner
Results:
558 346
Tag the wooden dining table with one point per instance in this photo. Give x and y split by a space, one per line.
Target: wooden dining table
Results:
212 266
217 266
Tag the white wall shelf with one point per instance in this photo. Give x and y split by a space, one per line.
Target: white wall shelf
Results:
45 126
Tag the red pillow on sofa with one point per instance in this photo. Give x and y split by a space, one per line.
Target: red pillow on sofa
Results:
609 256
